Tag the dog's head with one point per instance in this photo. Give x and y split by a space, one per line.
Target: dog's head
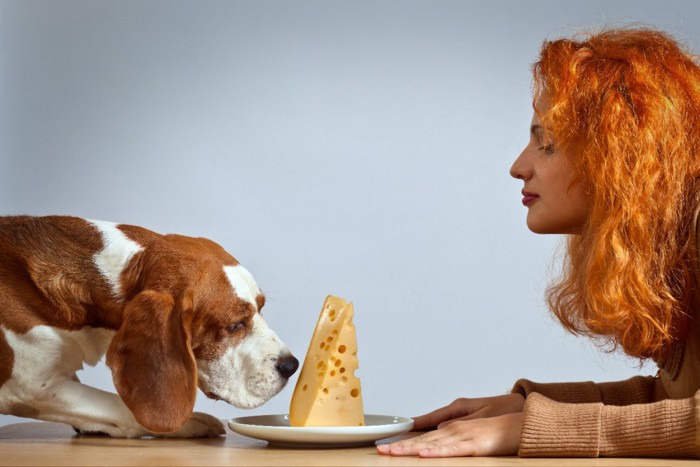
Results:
239 358
196 324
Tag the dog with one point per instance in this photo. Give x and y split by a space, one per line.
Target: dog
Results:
171 313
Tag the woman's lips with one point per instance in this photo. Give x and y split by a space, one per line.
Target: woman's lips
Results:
529 198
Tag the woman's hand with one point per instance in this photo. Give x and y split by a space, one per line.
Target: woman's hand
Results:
491 436
470 409
488 426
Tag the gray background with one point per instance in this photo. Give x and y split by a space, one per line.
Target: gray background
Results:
355 148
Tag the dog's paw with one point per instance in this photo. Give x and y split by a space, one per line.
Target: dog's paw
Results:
81 432
200 425
107 429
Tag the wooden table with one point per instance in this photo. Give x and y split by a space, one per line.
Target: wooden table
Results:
38 444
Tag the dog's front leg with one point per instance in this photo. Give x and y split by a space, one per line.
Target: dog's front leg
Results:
92 410
85 408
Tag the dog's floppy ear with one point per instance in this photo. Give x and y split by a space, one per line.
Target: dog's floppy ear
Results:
152 363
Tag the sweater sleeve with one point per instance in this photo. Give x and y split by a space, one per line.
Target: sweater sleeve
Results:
636 390
661 429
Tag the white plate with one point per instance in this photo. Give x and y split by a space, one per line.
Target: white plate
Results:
275 429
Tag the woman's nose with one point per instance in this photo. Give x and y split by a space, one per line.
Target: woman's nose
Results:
520 168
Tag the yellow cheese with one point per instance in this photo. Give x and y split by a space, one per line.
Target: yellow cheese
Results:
328 392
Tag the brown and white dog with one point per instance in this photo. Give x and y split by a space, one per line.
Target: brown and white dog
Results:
171 312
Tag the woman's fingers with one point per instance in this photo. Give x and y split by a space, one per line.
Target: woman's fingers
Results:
413 446
458 408
470 409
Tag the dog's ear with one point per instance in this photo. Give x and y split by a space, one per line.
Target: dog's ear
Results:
152 363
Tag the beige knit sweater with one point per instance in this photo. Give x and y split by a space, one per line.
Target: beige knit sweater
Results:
640 417
625 418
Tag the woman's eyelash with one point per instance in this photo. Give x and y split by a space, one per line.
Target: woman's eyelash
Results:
547 148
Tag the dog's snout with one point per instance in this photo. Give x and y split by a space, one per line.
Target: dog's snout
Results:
287 365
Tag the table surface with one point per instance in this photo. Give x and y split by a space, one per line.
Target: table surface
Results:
39 443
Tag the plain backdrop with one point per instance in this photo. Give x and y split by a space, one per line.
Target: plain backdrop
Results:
354 148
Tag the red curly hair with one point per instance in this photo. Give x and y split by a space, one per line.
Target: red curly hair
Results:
625 107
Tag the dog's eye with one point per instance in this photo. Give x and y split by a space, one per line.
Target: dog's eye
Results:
231 328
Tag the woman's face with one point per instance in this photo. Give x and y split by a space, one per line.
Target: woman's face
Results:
553 204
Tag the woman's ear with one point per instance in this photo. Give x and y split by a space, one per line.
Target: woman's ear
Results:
152 363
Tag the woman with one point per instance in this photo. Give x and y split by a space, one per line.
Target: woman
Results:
613 162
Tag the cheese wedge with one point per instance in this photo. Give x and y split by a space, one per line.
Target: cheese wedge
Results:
327 392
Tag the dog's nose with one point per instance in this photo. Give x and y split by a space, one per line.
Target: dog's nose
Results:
287 365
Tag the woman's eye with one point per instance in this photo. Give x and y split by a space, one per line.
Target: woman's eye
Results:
547 148
235 327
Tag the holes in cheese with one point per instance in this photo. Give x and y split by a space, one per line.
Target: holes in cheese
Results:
328 392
